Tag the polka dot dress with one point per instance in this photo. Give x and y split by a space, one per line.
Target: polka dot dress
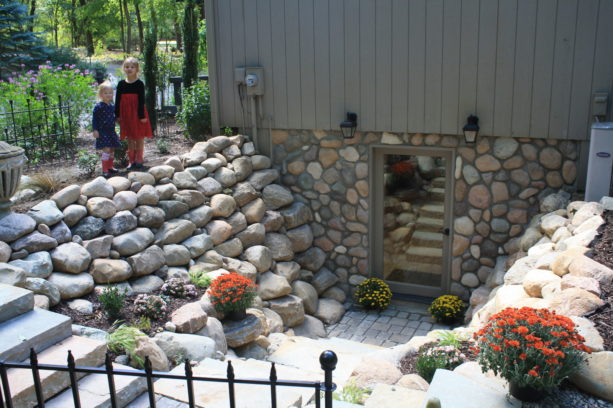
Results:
104 122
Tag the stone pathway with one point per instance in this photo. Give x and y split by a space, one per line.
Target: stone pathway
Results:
395 325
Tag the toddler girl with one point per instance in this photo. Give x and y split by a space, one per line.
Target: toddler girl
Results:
103 124
131 112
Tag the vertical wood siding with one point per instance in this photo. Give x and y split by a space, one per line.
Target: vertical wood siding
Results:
527 68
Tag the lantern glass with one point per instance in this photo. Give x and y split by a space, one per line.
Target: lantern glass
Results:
471 129
349 125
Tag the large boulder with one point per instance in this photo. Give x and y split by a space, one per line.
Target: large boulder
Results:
595 375
110 270
239 333
14 226
12 275
34 242
46 212
575 302
329 311
133 242
147 347
271 286
36 265
290 309
120 223
586 267
72 285
66 196
214 330
308 294
259 256
189 318
43 287
70 258
147 261
311 327
179 346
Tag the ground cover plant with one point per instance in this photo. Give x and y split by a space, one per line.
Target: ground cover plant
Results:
122 340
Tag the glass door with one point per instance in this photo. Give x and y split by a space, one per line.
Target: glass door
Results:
410 220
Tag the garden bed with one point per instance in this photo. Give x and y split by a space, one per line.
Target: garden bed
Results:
602 249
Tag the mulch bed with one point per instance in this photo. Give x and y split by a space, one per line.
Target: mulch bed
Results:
100 321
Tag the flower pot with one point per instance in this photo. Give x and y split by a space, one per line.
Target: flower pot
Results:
526 393
237 315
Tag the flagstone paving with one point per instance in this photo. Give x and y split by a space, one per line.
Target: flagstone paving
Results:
395 325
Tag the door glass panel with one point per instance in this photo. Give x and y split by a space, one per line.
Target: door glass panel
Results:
413 219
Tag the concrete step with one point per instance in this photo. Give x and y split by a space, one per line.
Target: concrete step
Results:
94 391
37 328
160 402
426 255
349 354
86 353
14 301
448 385
436 194
429 224
427 238
432 210
438 182
215 395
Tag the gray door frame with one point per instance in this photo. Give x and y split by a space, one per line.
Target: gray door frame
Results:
375 205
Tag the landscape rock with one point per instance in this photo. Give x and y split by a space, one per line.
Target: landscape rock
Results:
574 302
99 247
147 347
146 284
290 309
594 376
259 256
61 232
271 286
36 265
178 346
323 280
12 275
82 306
133 242
99 187
587 267
110 270
34 242
329 311
43 287
72 285
311 327
66 196
312 259
308 294
70 258
371 371
189 318
239 333
214 330
147 261
46 212
14 226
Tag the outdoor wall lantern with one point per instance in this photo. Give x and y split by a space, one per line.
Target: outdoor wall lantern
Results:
471 129
349 125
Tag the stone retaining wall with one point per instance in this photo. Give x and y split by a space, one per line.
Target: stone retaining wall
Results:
499 183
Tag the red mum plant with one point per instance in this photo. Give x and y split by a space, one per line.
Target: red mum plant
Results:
530 347
231 292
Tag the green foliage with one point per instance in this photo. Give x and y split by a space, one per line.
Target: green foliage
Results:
150 69
227 131
449 338
162 145
352 393
190 43
112 301
121 154
87 161
432 358
200 278
123 340
373 293
203 61
195 113
143 323
19 46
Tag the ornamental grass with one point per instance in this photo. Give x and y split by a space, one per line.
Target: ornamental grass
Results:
530 347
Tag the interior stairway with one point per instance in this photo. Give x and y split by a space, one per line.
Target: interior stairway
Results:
425 253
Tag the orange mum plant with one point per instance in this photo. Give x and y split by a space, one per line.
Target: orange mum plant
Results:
231 292
530 347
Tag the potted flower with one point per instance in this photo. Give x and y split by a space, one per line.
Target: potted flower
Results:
533 349
373 293
232 294
447 309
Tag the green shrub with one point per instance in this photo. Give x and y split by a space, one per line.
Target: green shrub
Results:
162 145
432 358
87 162
449 338
447 309
123 340
200 278
112 301
195 113
373 293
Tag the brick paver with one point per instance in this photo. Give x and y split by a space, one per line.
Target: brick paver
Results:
393 326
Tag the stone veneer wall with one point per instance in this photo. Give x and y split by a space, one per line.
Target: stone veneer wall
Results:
498 185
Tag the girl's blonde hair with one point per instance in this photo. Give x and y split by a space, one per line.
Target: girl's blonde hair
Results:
102 87
131 60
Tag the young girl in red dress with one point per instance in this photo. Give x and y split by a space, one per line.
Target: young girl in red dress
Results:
131 113
103 125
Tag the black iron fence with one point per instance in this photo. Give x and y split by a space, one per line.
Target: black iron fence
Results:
327 360
46 132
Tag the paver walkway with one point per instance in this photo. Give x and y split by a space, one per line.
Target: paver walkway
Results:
395 325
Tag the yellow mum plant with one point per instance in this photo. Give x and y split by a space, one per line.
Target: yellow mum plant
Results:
373 293
447 308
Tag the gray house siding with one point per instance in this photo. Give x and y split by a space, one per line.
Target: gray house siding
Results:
527 68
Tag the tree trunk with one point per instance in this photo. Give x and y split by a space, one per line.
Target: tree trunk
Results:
73 23
32 12
126 13
178 37
140 25
89 38
123 30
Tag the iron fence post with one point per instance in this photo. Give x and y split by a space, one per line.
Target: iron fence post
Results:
190 383
108 364
5 386
149 376
230 374
328 360
273 386
36 377
73 380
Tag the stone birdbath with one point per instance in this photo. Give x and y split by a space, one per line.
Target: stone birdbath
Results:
12 159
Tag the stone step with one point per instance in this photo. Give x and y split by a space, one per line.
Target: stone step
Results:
432 210
435 269
349 354
440 171
36 329
14 301
425 255
429 224
86 353
436 194
215 395
438 182
447 385
427 238
94 391
160 402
